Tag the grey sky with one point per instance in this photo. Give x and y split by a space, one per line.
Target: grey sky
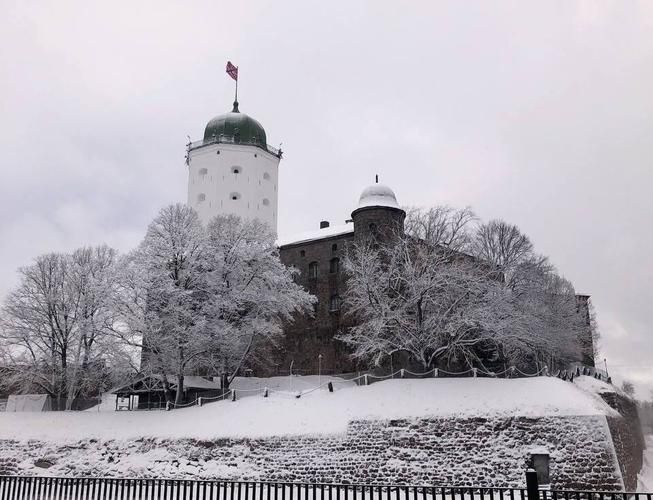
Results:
540 113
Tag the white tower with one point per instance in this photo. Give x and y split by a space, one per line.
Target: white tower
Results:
233 170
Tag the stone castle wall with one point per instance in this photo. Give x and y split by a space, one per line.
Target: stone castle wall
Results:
445 451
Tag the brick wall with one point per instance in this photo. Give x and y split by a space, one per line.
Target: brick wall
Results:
307 337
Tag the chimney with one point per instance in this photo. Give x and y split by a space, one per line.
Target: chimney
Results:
324 223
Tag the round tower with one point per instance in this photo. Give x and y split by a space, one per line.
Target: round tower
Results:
378 214
233 170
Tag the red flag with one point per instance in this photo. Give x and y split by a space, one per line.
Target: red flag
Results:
232 71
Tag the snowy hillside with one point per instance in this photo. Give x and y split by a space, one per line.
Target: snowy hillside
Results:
320 412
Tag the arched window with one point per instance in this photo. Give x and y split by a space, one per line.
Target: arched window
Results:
234 196
312 271
203 171
334 247
334 265
266 202
201 197
236 170
266 176
302 253
334 303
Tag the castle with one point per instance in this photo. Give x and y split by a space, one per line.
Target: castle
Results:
234 171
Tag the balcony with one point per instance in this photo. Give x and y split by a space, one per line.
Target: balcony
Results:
232 139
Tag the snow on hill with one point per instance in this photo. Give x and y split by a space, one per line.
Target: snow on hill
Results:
320 412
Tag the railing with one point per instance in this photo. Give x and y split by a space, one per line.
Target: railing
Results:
232 139
56 488
60 488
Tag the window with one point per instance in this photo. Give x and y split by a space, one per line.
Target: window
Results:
302 253
201 197
312 271
203 171
266 176
334 247
334 265
266 202
234 196
236 170
334 303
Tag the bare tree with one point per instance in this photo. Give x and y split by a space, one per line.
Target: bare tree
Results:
629 388
56 322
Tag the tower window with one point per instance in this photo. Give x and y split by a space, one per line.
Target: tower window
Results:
201 197
234 196
236 170
334 265
266 176
266 202
203 171
302 253
312 271
334 303
334 247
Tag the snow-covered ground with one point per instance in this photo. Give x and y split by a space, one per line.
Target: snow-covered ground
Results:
294 384
319 412
645 478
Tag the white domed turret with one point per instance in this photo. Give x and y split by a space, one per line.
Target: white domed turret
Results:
378 214
378 195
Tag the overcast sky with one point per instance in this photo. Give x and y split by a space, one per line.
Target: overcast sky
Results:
539 113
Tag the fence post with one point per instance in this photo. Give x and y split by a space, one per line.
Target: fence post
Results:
233 394
532 488
199 401
365 379
402 372
330 385
167 405
474 372
265 393
435 372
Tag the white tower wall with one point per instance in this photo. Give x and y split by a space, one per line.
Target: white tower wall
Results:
218 173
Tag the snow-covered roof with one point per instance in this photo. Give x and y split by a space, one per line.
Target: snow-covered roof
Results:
378 195
156 381
317 234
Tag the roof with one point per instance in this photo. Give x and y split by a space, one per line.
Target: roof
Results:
243 128
317 234
378 195
149 383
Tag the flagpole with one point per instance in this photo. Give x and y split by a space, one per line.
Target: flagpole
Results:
236 83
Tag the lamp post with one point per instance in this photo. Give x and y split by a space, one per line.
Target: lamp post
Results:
290 376
319 370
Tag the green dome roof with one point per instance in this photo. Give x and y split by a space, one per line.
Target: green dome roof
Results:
242 128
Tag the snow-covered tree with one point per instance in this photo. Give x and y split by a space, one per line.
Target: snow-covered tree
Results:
199 299
545 304
56 324
450 291
251 293
163 290
419 294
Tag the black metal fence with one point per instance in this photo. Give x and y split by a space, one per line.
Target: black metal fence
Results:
57 488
